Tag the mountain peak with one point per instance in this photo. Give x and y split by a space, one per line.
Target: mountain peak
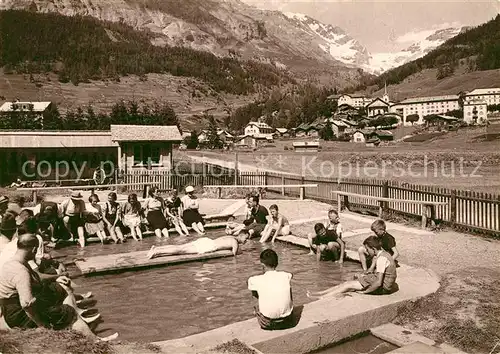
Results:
423 43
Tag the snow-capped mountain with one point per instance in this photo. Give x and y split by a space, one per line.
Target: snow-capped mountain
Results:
431 39
333 40
346 49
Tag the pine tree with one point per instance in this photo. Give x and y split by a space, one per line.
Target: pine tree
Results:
92 120
52 118
193 140
327 132
213 139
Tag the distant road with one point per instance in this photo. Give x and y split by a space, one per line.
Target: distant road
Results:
230 164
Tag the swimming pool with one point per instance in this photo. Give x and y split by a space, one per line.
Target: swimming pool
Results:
181 300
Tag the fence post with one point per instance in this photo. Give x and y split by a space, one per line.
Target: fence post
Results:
265 178
34 198
302 189
219 192
383 206
283 185
236 169
453 207
145 191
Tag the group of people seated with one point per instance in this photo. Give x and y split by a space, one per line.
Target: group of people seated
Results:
36 291
378 259
73 219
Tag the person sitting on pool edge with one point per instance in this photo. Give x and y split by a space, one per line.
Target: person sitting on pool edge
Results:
258 218
191 211
27 302
334 222
274 293
388 244
200 246
72 210
277 225
383 281
326 243
234 228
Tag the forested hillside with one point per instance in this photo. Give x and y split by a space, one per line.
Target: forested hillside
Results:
80 49
478 48
301 104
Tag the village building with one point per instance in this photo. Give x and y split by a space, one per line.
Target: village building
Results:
361 135
283 132
145 147
338 126
223 135
358 137
306 146
423 106
313 130
493 127
356 101
50 155
38 108
245 141
491 96
377 106
259 130
475 111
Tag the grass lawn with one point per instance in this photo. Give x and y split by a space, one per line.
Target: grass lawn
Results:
459 160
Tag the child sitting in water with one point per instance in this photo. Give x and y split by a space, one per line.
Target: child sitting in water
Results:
132 216
94 223
382 281
388 244
277 225
326 243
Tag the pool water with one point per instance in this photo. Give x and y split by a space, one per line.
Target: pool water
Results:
180 300
366 344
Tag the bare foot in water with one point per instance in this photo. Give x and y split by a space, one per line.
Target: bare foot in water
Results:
151 252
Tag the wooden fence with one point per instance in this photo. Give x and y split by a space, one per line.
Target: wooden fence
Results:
465 210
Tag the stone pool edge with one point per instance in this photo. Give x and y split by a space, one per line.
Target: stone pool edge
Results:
322 322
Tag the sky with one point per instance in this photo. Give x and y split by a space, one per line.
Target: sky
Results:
389 25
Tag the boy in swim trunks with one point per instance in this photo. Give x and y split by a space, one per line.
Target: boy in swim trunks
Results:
326 243
277 225
200 246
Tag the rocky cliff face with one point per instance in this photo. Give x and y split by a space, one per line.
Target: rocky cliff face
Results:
332 40
225 27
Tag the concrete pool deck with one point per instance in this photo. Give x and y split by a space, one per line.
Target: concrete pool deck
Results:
322 322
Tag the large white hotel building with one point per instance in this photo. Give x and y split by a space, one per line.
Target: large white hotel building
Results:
423 106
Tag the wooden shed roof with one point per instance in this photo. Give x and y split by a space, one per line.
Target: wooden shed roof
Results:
145 133
55 139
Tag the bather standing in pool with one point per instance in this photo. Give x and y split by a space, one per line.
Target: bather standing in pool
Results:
200 246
